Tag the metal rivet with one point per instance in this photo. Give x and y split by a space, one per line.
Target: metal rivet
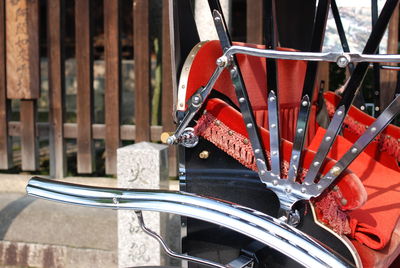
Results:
181 105
335 188
217 19
187 69
316 164
183 86
294 157
273 126
204 154
246 141
354 150
300 130
249 125
192 55
339 113
303 190
257 151
115 200
373 129
304 103
288 190
328 138
275 182
377 108
377 93
262 172
319 187
272 99
233 70
241 100
274 153
335 170
230 132
362 108
217 122
343 201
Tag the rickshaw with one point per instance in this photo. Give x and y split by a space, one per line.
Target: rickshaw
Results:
262 182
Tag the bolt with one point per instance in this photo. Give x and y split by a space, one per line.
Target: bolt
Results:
342 61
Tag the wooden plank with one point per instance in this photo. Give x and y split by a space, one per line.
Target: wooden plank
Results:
58 167
254 21
5 139
167 94
29 146
389 78
112 83
142 72
84 70
22 47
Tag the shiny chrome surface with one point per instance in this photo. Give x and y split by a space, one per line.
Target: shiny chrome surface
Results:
369 135
274 137
263 228
341 58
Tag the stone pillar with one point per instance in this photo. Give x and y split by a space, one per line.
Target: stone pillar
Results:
204 21
142 165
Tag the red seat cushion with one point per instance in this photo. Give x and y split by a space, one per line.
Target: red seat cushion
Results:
373 223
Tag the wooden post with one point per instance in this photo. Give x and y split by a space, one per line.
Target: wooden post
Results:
113 82
254 22
167 94
142 65
84 64
22 45
389 78
29 143
5 139
55 34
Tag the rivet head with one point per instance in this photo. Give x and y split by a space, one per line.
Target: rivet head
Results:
245 141
230 132
183 86
217 18
362 108
377 108
304 103
328 138
339 113
316 164
303 190
217 122
275 182
257 151
272 99
354 150
204 154
336 170
335 188
288 190
373 129
241 100
274 153
300 130
273 126
294 157
343 201
262 172
249 125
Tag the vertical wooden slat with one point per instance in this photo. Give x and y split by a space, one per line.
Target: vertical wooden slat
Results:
389 78
167 94
142 73
113 82
254 15
29 151
84 69
55 35
5 140
28 111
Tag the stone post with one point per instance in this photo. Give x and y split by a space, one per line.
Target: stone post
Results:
142 165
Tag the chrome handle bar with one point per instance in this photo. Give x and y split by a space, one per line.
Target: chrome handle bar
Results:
261 227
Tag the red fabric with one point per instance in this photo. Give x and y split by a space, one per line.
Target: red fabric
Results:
374 222
385 149
350 185
290 81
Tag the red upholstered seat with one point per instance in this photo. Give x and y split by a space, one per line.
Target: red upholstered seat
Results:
377 216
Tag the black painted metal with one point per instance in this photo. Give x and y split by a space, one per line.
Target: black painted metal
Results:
376 68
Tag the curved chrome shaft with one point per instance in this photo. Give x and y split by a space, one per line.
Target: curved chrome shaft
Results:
341 58
263 228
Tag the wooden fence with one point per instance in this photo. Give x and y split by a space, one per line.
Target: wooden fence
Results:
20 65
